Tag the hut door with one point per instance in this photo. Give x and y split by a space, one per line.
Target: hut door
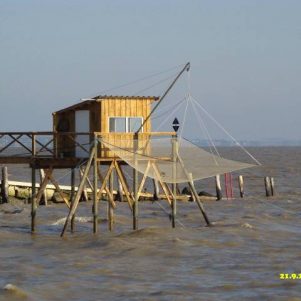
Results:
82 125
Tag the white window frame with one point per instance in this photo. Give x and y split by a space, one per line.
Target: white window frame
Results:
126 123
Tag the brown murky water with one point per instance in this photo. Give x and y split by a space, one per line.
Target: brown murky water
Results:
240 258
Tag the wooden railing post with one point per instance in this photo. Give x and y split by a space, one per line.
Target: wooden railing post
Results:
33 145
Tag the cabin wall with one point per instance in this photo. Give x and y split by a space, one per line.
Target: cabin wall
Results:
66 146
100 111
123 108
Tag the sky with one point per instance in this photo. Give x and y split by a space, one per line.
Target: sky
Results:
244 55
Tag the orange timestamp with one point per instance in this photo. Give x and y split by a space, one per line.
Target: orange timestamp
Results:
292 276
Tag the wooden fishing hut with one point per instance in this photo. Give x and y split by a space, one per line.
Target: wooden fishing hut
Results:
76 140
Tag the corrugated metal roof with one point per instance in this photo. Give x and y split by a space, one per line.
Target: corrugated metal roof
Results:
99 98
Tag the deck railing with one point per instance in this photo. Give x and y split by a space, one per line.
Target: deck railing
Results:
60 145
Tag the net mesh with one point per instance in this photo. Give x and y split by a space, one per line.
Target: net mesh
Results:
171 160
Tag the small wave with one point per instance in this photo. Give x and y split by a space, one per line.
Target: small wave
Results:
79 219
247 225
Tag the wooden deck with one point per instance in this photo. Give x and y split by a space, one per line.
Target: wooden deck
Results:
40 149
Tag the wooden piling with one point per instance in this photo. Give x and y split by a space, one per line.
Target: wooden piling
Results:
156 189
95 186
267 184
135 185
272 186
174 185
120 190
33 200
193 190
4 185
219 194
241 185
110 207
44 199
72 195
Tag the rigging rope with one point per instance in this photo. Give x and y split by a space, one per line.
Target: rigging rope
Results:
225 131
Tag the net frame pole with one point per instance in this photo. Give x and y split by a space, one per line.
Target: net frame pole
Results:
110 207
95 184
135 185
72 195
186 68
33 200
175 147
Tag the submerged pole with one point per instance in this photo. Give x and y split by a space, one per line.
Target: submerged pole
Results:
44 196
4 185
267 185
33 199
110 207
72 195
95 188
272 186
241 186
174 185
219 194
135 184
191 184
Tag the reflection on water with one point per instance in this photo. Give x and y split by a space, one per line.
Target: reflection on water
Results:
240 258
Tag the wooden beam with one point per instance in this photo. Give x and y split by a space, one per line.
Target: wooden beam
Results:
124 185
80 189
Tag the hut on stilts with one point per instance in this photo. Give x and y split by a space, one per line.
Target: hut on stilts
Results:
113 131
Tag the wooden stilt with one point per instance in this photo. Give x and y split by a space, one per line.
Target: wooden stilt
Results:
200 204
162 184
79 191
241 185
156 189
72 195
33 200
110 208
43 185
219 194
84 195
135 185
267 185
272 186
4 185
174 186
44 199
95 199
120 190
124 185
193 190
59 190
105 187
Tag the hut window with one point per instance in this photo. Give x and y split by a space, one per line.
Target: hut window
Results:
117 124
124 124
134 123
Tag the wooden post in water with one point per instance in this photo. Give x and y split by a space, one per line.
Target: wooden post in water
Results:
120 190
156 189
44 199
219 194
33 199
110 207
72 195
4 185
174 186
272 186
267 184
95 184
193 190
241 185
135 185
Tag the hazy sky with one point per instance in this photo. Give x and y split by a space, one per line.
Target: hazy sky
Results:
245 57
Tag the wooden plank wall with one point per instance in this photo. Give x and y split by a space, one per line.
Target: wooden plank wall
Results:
123 107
